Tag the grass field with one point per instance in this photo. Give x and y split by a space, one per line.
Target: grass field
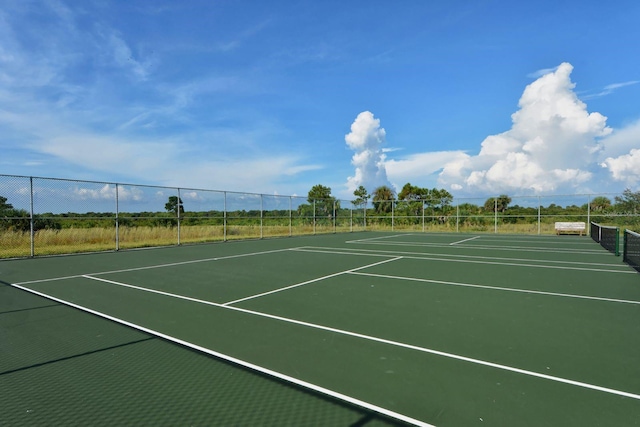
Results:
92 239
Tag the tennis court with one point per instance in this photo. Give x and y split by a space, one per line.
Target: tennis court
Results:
343 329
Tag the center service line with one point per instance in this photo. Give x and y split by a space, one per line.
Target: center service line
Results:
311 281
465 240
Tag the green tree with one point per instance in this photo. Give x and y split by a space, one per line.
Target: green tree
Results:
600 203
498 204
174 205
383 199
324 201
443 197
362 196
4 206
629 201
413 192
319 192
413 199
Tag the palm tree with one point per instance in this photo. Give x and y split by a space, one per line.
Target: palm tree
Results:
383 199
600 203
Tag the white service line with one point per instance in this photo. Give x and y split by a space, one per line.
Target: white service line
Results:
361 336
465 240
311 281
378 238
496 288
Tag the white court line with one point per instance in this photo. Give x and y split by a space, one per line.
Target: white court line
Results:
310 281
512 264
338 331
151 267
379 238
487 247
465 240
232 359
496 288
404 253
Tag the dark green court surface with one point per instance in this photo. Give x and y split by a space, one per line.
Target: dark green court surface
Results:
364 329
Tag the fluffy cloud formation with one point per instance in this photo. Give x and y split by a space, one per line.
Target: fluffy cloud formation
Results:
626 167
552 144
419 168
621 154
366 139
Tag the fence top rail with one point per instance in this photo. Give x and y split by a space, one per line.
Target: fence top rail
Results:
395 200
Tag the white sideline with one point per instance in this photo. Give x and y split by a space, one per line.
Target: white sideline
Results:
338 331
232 359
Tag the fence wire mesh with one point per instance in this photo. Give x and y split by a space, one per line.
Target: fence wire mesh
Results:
43 216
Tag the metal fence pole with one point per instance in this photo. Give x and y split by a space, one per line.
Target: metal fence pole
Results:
261 213
334 217
314 216
31 227
351 220
539 216
393 215
117 219
364 214
495 215
224 220
589 214
178 207
290 216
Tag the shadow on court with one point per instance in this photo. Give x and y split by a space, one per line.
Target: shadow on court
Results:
64 366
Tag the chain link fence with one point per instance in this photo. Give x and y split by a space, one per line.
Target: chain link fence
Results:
47 216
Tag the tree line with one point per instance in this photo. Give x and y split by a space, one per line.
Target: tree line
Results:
411 202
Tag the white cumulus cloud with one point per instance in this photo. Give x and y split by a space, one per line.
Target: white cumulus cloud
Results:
553 143
625 168
367 139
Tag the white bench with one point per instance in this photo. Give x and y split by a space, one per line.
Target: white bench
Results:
571 227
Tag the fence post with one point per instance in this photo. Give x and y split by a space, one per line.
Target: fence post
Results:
351 220
495 215
314 216
261 213
393 213
31 227
334 217
178 207
224 218
117 218
290 216
589 213
539 216
364 214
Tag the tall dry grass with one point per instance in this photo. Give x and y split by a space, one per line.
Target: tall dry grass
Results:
74 240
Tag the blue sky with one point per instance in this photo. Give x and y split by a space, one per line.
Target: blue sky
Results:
477 97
